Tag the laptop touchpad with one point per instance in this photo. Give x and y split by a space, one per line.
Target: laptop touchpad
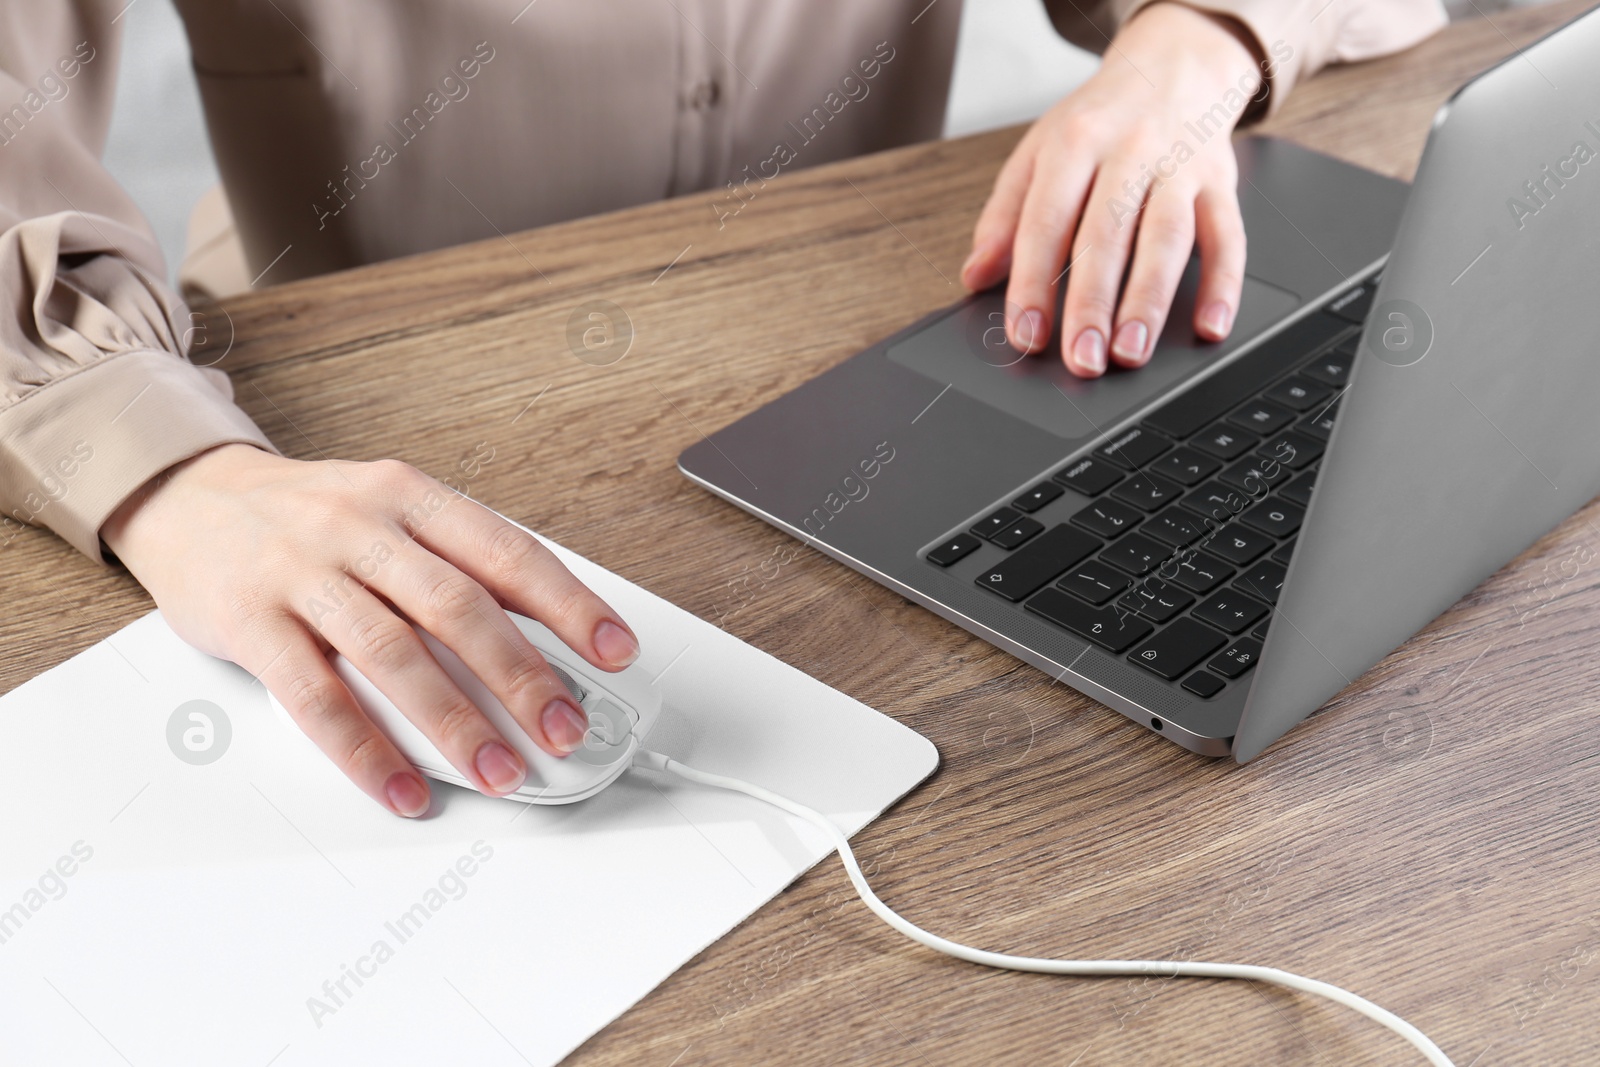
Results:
967 349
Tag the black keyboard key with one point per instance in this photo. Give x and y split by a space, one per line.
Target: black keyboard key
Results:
1354 305
1260 632
995 523
1204 685
1230 610
1018 533
1262 416
1026 571
1332 368
1320 424
1264 579
1174 526
1208 400
1179 647
956 548
1275 516
1216 501
1301 394
1202 572
1037 497
1186 466
1107 518
1284 552
1156 600
1091 477
1299 490
1109 628
1236 658
1254 475
1136 554
1293 449
1094 581
1147 491
1134 448
1238 545
1225 442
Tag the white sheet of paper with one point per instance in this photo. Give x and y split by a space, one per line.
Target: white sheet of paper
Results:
258 909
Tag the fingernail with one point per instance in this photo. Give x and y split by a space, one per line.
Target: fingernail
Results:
1132 337
1028 329
615 645
1089 351
407 795
564 725
1217 318
972 257
500 767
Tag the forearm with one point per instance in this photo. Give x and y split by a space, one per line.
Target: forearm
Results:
1292 39
96 396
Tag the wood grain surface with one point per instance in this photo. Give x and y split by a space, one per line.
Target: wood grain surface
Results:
1428 840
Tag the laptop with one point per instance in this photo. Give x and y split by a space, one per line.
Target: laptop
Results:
1218 543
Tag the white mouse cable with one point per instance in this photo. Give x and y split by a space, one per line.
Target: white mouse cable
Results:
1164 968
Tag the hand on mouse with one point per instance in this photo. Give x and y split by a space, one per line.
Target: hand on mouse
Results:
1077 182
269 561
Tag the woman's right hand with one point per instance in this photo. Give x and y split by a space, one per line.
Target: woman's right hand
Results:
1114 182
269 562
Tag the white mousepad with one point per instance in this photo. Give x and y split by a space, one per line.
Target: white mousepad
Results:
183 890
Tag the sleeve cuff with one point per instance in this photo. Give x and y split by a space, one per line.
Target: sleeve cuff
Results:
1297 38
72 451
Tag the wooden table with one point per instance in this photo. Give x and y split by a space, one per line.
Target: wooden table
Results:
1428 840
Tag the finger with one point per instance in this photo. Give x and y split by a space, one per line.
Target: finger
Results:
527 578
462 614
996 229
1219 231
1161 252
384 648
1099 256
289 663
1050 214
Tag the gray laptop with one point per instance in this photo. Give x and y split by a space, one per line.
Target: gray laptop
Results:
1218 543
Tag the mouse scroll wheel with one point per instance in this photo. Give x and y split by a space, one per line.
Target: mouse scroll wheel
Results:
579 693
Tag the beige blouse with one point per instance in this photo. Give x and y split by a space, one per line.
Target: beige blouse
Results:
357 130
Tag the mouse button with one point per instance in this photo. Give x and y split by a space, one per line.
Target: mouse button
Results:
610 722
632 719
609 737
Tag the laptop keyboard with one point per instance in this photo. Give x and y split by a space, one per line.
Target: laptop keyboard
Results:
1177 559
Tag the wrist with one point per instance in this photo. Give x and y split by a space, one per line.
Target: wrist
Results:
139 517
1210 53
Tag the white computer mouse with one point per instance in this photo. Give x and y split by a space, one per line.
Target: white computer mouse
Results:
621 707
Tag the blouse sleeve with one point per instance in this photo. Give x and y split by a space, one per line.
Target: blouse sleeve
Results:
1296 38
97 395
